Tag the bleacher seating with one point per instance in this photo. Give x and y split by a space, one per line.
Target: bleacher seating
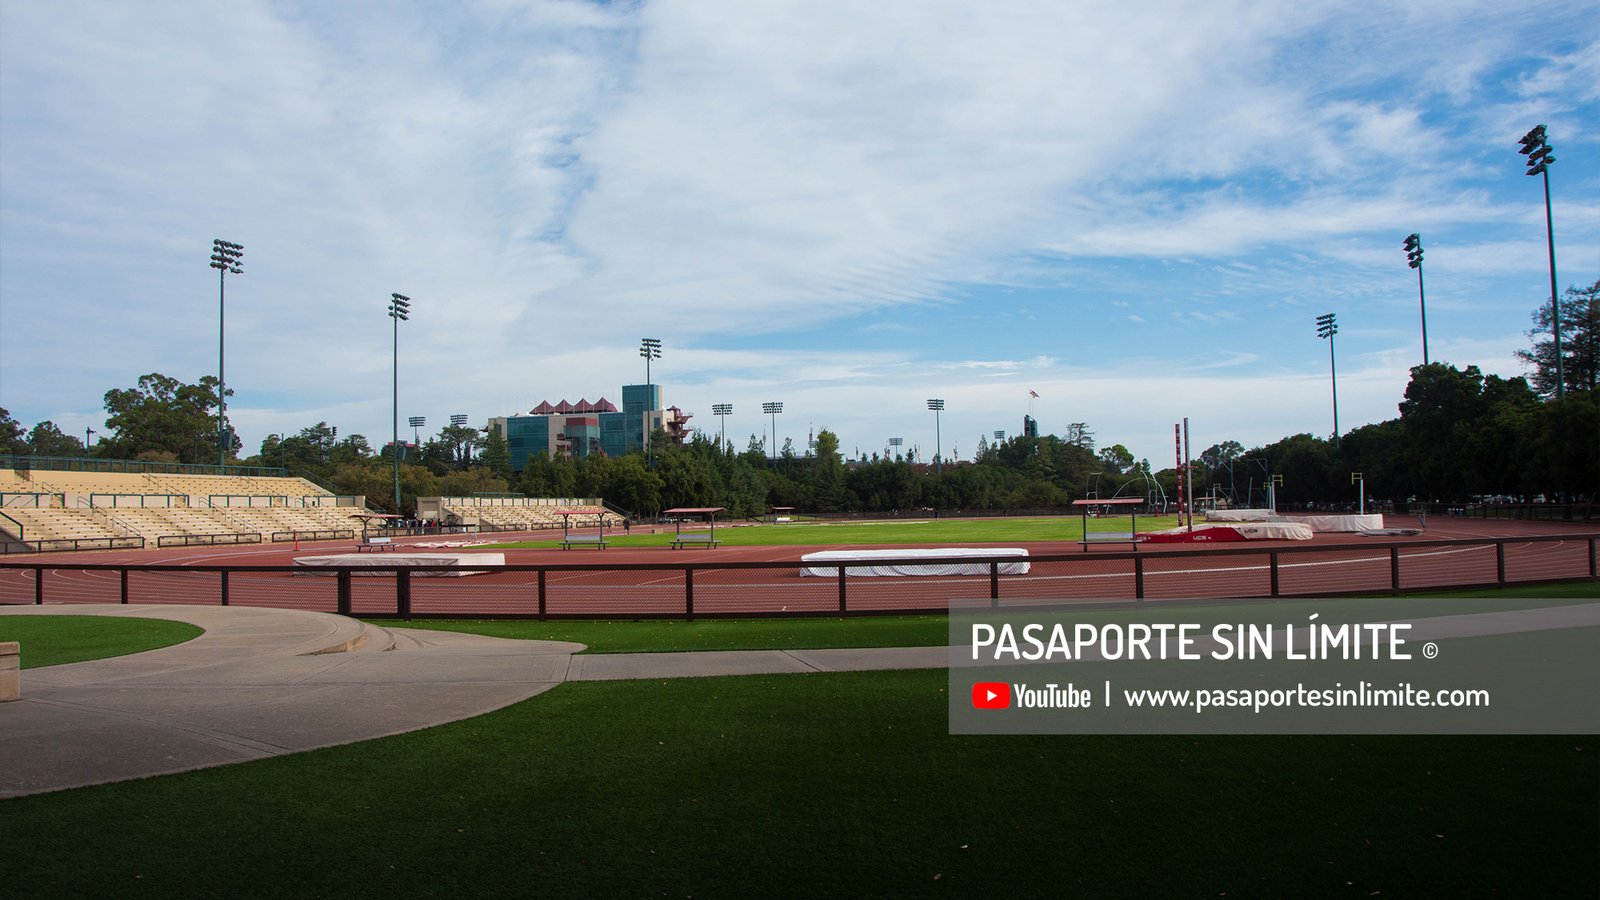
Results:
68 505
522 513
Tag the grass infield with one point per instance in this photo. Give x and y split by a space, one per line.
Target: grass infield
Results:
53 640
824 785
932 531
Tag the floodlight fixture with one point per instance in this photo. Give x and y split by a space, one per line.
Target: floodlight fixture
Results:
399 311
722 411
773 409
649 348
226 257
937 406
1413 246
999 435
458 419
1541 156
1327 327
417 422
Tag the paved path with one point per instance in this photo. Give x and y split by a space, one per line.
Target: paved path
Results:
258 683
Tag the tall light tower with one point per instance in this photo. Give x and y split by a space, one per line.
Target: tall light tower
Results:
1414 259
772 409
649 348
895 442
1540 157
938 457
399 311
417 423
722 411
1327 327
226 257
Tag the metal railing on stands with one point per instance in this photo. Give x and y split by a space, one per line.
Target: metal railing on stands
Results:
69 545
94 464
707 588
340 534
207 540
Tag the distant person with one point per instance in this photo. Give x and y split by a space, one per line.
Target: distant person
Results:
627 526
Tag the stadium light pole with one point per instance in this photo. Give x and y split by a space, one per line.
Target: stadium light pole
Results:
1540 157
417 423
1414 260
226 257
773 409
87 434
938 456
649 348
896 443
1327 327
399 311
722 411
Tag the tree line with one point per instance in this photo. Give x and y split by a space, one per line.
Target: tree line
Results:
1459 435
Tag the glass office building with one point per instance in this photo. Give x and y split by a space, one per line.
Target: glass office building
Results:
578 430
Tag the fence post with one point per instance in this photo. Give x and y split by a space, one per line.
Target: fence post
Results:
1138 578
1394 569
402 593
994 583
688 593
1500 561
124 587
344 592
224 587
841 590
541 596
38 585
1273 556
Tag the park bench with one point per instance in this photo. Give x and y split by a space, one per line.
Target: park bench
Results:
704 540
375 545
586 540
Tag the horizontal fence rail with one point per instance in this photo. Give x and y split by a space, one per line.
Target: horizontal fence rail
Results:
709 589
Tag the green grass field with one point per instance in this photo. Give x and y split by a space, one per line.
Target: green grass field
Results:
932 531
824 785
53 640
664 635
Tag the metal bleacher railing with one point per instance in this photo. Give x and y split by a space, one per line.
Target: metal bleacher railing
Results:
708 588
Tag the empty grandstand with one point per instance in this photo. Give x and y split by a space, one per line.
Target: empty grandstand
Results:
504 512
61 509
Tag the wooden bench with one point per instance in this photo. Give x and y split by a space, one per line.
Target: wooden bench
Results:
599 543
1110 537
376 545
684 540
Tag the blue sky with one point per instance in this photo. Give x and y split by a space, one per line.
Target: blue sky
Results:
1136 211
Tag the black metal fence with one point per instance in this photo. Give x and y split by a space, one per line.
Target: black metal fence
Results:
706 588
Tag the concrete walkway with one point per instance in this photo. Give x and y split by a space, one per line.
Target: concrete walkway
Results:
258 683
265 682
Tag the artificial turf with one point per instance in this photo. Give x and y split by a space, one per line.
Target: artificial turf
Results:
665 635
53 640
825 785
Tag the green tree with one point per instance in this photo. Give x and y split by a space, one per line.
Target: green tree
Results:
11 434
165 415
1580 343
48 440
497 453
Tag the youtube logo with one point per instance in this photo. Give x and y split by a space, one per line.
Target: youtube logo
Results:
991 695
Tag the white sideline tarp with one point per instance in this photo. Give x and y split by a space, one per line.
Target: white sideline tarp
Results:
458 562
825 563
1340 523
1239 515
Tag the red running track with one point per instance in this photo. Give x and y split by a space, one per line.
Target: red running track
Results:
652 581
